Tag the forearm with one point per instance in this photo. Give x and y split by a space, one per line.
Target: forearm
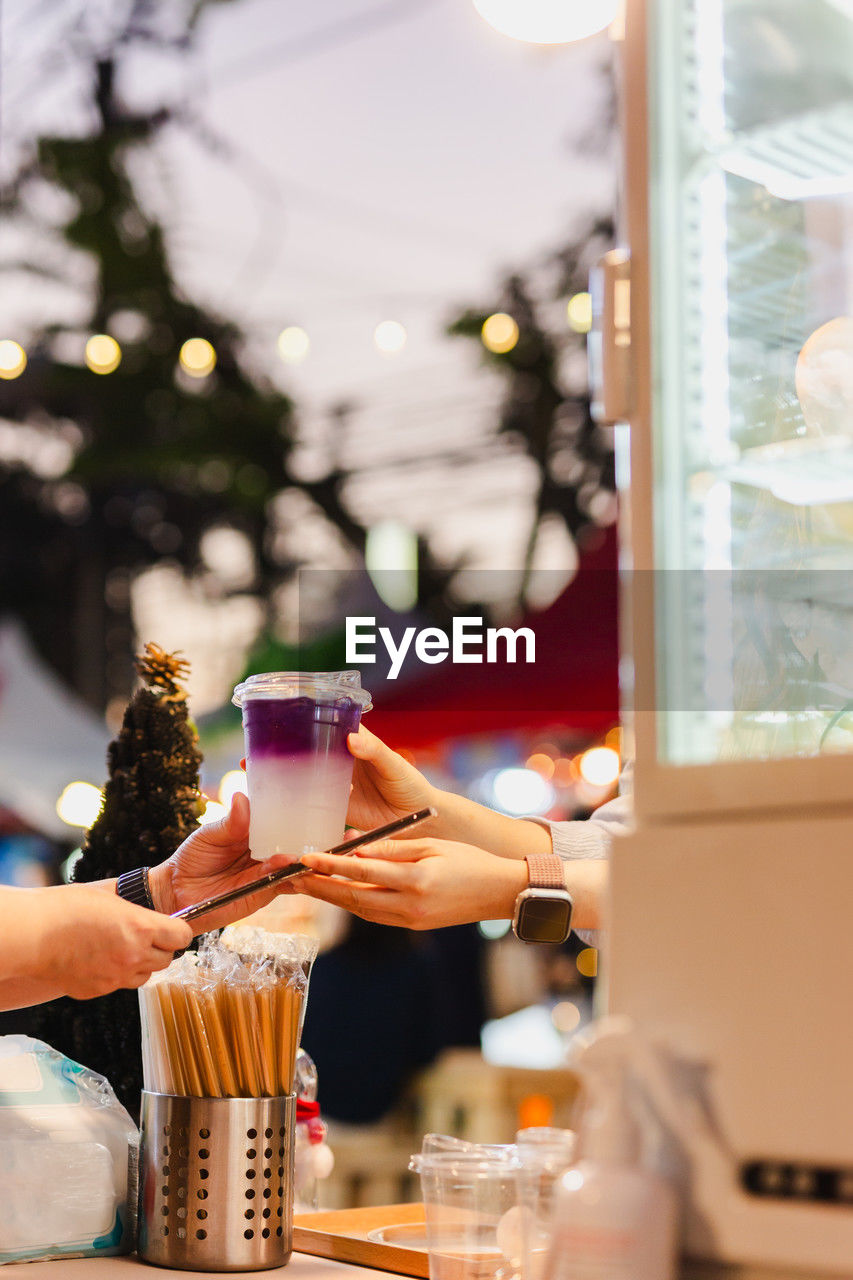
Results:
27 967
459 818
80 940
587 881
22 912
582 846
27 974
19 993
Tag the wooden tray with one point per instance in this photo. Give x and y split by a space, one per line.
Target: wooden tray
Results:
344 1235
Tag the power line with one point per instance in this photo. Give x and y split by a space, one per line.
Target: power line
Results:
476 455
332 35
284 192
35 9
378 221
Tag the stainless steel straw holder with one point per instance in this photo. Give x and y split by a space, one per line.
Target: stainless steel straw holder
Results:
216 1182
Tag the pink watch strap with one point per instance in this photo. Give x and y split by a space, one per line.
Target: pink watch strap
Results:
545 871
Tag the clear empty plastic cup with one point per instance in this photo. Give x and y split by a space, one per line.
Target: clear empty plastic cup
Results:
298 767
469 1200
544 1154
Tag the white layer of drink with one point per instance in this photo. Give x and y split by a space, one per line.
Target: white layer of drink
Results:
298 805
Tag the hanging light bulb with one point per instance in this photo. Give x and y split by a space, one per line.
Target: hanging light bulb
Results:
548 21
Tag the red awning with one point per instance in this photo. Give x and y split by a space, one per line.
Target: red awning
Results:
572 685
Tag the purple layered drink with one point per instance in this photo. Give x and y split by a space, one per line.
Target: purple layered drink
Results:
297 763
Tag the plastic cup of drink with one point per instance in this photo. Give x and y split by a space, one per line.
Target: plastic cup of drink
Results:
298 767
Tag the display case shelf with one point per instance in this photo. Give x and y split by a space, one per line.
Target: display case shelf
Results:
806 472
798 158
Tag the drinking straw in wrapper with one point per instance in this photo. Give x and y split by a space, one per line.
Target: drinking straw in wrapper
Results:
225 1022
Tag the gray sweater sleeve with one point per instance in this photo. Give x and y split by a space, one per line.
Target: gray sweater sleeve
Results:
593 837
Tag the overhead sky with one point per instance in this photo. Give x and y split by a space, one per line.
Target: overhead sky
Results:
397 172
356 161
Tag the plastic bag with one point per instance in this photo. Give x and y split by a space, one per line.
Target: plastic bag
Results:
68 1158
225 1022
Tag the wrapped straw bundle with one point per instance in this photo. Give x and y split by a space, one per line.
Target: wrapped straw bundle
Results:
226 1022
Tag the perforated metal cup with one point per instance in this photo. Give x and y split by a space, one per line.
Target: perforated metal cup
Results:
216 1182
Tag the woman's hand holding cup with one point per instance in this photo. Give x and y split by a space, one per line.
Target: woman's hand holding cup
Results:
384 785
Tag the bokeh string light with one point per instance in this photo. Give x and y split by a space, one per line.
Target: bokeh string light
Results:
79 804
229 784
13 359
499 333
389 337
565 772
540 763
519 791
293 344
600 766
579 312
103 353
197 357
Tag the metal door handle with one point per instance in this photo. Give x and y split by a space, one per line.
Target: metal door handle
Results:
609 341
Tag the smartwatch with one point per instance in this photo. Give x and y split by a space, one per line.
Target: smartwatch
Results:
133 887
543 911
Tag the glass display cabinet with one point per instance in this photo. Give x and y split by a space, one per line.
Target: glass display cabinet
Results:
739 214
725 337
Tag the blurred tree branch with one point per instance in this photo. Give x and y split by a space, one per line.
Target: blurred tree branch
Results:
155 458
546 402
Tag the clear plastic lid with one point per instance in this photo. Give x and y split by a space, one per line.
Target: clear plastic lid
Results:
323 685
455 1156
544 1149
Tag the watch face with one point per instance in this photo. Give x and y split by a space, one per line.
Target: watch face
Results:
544 919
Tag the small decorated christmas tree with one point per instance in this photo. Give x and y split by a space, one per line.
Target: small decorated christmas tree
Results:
151 801
151 804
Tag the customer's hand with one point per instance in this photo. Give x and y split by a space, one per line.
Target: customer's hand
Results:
89 941
214 859
384 785
419 884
